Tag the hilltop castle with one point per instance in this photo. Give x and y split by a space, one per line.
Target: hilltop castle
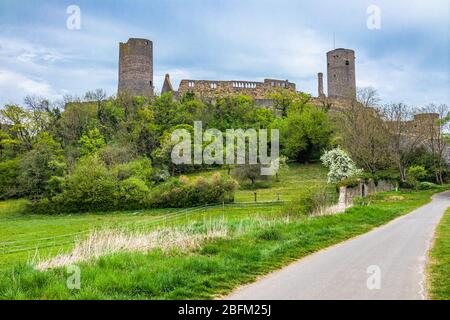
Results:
136 78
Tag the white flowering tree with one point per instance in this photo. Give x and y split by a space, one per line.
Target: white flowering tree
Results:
340 165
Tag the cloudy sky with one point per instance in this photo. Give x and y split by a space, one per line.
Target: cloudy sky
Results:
407 59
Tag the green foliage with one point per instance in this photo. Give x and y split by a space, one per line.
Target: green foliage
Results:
120 130
9 179
133 193
425 185
91 142
304 133
308 201
8 145
348 182
139 168
415 174
39 165
284 100
183 192
90 187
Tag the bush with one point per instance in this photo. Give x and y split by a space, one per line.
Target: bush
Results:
182 192
349 182
309 201
9 174
92 187
139 168
425 185
41 164
340 165
133 193
392 176
415 174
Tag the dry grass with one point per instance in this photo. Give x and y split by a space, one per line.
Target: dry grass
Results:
105 242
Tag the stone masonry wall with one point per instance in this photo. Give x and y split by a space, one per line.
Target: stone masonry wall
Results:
210 88
341 74
136 67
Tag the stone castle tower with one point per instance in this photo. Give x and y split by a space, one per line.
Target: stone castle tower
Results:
136 67
341 74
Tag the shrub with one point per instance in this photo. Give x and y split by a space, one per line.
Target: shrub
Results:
308 202
39 165
415 174
183 192
425 185
133 193
9 174
92 187
139 168
340 165
349 182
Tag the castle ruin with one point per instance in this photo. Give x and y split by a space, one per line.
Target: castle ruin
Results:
136 67
341 74
136 78
214 88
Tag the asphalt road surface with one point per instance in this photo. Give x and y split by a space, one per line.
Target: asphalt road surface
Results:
386 263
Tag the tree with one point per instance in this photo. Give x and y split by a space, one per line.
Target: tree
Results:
415 174
95 96
91 142
304 133
20 124
434 121
340 165
76 119
8 145
363 134
368 97
250 172
405 135
41 164
284 99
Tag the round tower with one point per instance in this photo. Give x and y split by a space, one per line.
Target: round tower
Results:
341 74
136 67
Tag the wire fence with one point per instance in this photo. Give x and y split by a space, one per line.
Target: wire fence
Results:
60 240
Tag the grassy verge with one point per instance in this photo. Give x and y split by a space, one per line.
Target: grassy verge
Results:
217 266
439 267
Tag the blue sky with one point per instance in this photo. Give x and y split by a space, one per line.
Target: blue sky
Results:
406 60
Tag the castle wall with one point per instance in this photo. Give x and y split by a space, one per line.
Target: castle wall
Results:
210 88
136 68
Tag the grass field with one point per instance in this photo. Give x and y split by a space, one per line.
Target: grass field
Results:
25 237
439 267
217 266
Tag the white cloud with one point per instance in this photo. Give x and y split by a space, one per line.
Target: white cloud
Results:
15 86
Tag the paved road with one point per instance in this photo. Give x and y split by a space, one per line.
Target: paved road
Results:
396 251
